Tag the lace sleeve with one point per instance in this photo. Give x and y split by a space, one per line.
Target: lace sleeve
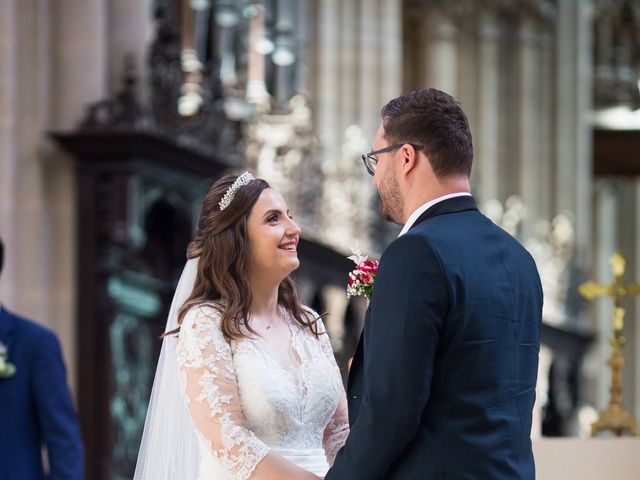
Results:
208 381
337 430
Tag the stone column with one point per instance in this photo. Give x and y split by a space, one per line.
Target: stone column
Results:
349 66
327 99
584 130
29 222
328 106
546 190
8 147
606 243
573 173
369 59
79 76
468 68
391 50
488 138
629 232
439 47
529 138
565 107
634 271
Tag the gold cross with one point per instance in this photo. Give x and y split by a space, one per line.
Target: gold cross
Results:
617 290
615 417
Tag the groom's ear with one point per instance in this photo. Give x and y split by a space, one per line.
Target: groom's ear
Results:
409 158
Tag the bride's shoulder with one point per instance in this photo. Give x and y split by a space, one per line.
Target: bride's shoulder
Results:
316 317
200 337
203 315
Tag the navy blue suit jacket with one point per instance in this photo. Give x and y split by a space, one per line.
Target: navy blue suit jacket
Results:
35 407
443 381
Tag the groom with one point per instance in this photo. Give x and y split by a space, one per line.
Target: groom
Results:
443 380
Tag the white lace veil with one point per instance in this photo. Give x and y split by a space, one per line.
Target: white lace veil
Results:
169 449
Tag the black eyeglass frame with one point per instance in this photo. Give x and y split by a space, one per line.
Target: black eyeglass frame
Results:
371 161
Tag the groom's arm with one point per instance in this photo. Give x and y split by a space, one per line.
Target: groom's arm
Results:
408 307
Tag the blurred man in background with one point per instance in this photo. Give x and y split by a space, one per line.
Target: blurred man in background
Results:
36 409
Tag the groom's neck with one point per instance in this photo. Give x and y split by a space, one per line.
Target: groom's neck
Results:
419 193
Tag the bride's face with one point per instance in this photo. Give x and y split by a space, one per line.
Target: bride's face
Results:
273 237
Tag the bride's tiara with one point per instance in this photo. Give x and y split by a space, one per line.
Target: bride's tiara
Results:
241 181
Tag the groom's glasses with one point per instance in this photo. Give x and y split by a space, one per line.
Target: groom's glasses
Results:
371 161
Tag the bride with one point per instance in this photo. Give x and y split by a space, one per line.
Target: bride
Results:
246 386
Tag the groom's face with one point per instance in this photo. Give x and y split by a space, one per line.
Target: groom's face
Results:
386 180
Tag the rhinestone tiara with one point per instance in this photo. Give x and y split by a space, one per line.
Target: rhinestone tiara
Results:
241 181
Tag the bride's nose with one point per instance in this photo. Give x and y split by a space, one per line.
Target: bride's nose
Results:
293 229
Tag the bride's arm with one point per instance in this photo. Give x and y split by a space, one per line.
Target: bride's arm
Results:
276 467
208 381
337 430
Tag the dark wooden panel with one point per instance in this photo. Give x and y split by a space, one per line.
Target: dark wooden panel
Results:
616 152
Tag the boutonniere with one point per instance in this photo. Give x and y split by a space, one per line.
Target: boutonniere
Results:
362 277
7 369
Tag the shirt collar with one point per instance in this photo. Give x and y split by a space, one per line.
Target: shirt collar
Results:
423 208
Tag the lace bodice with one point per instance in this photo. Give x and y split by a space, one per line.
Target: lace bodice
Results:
244 402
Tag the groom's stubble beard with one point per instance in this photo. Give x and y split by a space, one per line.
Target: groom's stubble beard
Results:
390 199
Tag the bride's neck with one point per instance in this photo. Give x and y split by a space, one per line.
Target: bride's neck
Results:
264 301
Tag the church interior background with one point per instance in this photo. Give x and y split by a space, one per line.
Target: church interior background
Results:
116 116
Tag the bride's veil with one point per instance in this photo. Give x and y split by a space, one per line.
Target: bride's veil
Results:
169 449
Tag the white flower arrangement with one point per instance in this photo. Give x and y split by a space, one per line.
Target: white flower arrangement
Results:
7 369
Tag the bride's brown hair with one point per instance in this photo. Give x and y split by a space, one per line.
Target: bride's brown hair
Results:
224 267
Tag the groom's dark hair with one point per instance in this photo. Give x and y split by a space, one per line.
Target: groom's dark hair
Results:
435 120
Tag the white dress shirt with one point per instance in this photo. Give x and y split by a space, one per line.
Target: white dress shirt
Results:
423 208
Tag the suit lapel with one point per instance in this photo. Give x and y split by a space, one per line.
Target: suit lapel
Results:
357 356
355 364
452 205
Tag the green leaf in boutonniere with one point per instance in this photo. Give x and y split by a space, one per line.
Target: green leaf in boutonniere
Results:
7 369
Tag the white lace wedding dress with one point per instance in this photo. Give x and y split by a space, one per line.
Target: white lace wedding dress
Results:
244 403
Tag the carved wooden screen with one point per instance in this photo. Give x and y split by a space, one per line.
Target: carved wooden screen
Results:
138 198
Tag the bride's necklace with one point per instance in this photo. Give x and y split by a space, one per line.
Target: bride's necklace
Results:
268 327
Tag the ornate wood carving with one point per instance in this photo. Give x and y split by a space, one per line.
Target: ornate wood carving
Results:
617 53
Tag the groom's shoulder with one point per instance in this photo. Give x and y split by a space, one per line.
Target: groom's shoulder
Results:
410 246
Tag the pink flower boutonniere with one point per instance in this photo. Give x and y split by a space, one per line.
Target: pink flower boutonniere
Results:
7 369
362 278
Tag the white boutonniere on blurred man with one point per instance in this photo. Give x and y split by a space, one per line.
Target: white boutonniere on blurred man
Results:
7 369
